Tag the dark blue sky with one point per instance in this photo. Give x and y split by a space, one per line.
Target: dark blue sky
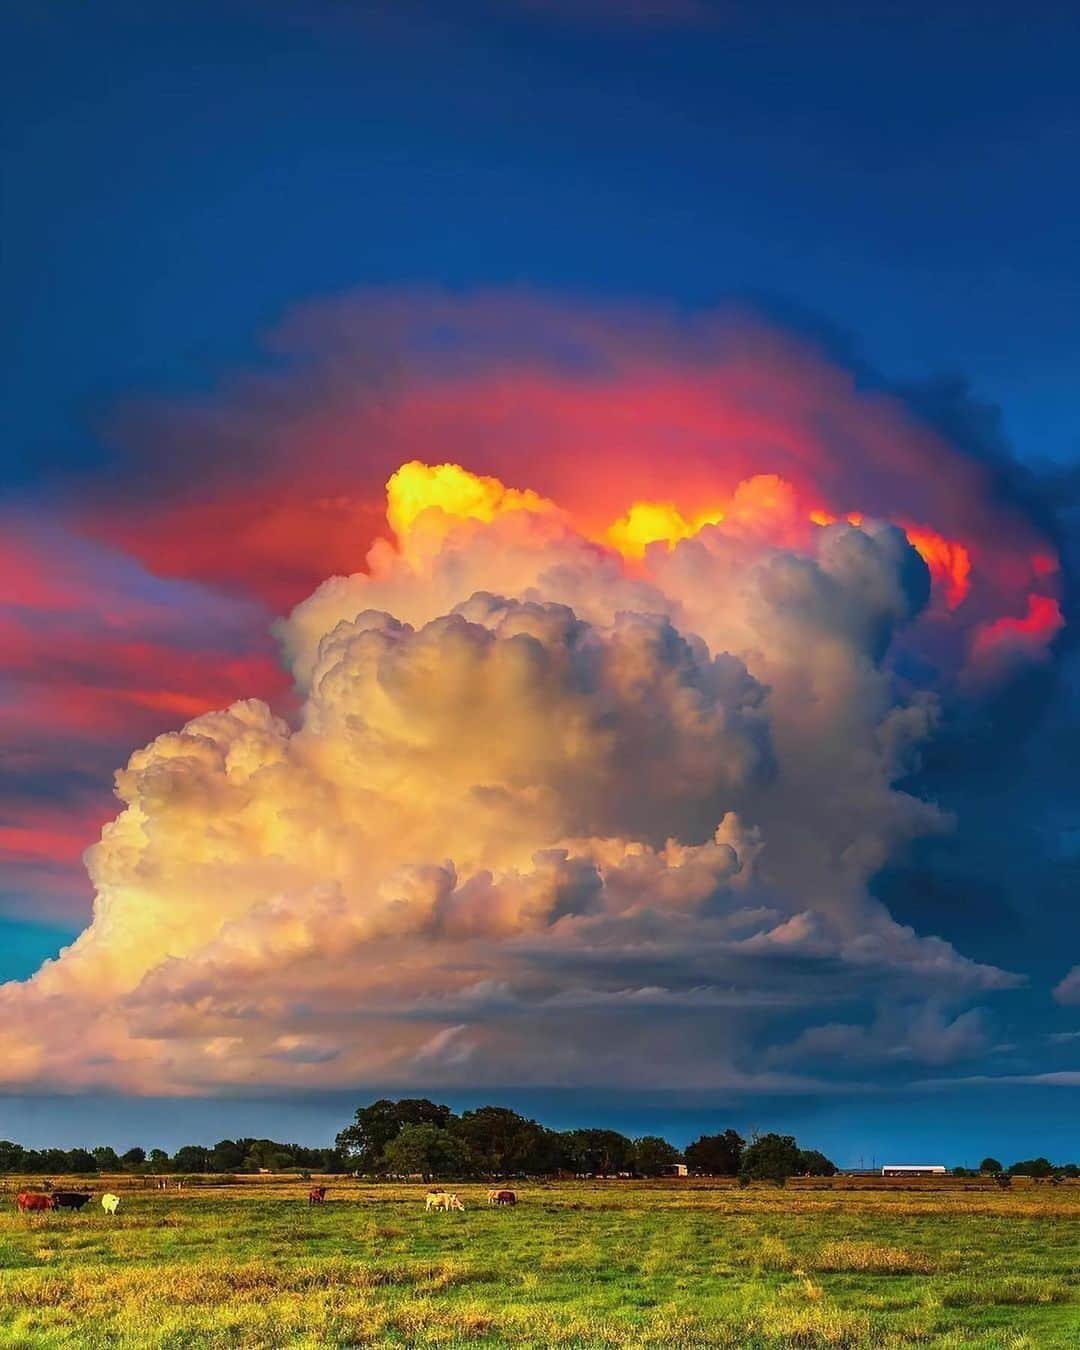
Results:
902 185
176 180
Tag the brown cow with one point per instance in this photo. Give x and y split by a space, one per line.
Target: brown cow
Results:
317 1195
501 1198
29 1202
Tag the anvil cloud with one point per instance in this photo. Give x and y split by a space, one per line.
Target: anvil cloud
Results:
564 777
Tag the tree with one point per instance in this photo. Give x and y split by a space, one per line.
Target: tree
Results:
226 1156
429 1150
991 1165
652 1154
12 1157
599 1152
265 1154
815 1164
365 1140
502 1142
191 1158
771 1157
79 1160
106 1159
716 1154
1032 1167
159 1158
134 1157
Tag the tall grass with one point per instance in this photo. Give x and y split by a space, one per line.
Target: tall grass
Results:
575 1266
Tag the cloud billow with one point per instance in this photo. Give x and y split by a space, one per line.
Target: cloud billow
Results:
553 791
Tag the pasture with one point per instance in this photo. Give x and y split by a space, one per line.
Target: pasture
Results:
605 1264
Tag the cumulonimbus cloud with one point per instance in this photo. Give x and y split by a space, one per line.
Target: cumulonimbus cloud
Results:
554 788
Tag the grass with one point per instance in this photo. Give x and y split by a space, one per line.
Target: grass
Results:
617 1264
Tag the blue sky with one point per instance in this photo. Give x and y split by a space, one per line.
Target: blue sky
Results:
900 188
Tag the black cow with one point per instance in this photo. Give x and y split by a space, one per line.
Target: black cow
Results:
70 1199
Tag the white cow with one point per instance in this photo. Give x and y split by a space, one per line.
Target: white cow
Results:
443 1200
110 1203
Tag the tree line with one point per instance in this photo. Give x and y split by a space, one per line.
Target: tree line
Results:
228 1155
415 1136
418 1137
1027 1167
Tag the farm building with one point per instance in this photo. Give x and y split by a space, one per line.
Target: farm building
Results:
674 1170
913 1170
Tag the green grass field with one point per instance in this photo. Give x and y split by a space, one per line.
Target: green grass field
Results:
575 1264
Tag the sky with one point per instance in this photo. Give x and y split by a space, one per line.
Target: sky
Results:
807 280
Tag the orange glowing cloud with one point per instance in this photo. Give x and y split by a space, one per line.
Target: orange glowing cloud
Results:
949 562
449 490
648 523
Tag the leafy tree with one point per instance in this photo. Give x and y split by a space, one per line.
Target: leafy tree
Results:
364 1142
652 1154
716 1154
226 1156
134 1157
429 1150
1032 1167
12 1157
815 1164
770 1157
502 1142
990 1165
600 1152
106 1159
265 1153
79 1160
159 1158
191 1158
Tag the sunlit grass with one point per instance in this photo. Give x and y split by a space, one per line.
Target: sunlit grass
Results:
575 1265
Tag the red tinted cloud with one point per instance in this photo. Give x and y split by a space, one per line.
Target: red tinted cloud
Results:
594 408
1027 634
276 545
96 657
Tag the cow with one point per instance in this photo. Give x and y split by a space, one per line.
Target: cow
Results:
70 1199
110 1203
498 1197
30 1202
442 1200
317 1195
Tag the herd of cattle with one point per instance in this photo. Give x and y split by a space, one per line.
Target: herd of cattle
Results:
39 1202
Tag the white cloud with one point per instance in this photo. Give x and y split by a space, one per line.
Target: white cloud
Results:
540 805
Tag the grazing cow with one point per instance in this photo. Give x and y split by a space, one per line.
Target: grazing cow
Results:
70 1199
443 1200
110 1203
30 1202
317 1195
501 1198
